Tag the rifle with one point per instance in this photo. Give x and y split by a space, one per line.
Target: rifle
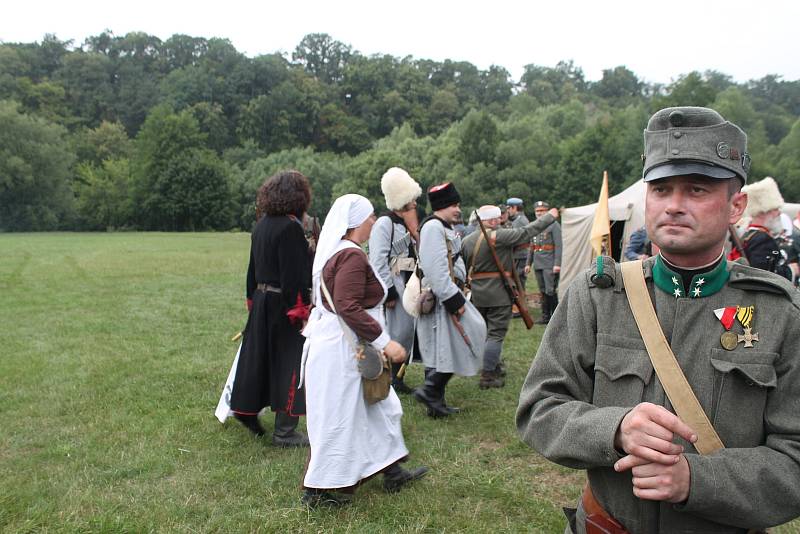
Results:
737 243
509 287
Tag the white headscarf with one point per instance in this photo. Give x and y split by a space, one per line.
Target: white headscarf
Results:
348 211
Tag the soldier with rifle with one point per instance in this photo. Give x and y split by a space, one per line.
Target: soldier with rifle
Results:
495 286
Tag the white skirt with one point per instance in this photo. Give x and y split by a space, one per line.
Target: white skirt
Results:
350 440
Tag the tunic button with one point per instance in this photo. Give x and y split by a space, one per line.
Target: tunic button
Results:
750 383
675 151
677 135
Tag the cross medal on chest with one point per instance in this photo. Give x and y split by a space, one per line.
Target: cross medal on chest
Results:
729 340
745 316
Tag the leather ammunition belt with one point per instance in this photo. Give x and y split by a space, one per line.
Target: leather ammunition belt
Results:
538 248
266 288
493 274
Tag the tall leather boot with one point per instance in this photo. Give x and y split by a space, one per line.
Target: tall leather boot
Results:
399 384
546 303
443 379
553 303
285 434
430 395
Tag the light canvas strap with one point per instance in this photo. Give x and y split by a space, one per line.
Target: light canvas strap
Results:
669 372
474 254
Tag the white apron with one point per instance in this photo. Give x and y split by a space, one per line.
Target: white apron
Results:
350 440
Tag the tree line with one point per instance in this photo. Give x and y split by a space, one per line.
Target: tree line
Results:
132 132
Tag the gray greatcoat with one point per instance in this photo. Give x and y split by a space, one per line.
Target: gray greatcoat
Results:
440 343
389 245
592 368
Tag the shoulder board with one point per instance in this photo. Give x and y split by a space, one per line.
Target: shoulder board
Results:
753 279
603 272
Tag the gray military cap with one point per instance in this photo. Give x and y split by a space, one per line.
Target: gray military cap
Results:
690 140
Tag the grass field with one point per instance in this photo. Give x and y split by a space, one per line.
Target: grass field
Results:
114 351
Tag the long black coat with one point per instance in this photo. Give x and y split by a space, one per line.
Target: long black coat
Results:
269 362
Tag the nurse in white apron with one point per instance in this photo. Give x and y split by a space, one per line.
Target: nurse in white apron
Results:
351 440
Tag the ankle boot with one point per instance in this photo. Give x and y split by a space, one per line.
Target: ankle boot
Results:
251 423
490 379
395 477
429 394
285 434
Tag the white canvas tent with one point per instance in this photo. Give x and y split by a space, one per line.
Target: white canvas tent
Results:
626 208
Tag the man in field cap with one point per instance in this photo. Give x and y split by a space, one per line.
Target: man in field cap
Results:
684 417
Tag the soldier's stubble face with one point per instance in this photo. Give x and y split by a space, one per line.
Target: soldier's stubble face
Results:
688 217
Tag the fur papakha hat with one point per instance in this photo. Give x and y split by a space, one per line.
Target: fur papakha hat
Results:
762 197
399 188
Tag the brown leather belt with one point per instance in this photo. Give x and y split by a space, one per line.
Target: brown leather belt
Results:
598 521
537 248
264 288
493 274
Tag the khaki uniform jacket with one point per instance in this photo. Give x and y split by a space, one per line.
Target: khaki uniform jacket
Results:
488 292
592 367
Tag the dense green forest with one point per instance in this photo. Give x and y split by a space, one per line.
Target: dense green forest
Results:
132 132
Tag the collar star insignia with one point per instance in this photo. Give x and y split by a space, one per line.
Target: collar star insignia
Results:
696 292
700 281
674 280
677 292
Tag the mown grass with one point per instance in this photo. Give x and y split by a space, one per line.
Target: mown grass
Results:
114 351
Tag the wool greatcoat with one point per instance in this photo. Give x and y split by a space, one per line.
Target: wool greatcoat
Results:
592 368
441 344
390 248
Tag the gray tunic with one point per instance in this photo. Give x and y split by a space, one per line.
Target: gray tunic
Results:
592 368
546 248
441 344
521 250
385 254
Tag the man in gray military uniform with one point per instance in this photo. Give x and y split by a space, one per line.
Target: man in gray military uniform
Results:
517 218
592 401
488 290
545 258
453 333
392 254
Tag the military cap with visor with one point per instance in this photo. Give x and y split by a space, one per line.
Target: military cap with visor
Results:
688 140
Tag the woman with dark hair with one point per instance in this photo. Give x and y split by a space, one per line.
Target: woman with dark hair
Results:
278 282
351 440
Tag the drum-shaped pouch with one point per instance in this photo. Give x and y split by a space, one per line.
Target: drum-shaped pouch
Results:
622 370
742 381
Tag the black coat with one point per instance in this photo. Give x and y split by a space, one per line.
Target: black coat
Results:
269 362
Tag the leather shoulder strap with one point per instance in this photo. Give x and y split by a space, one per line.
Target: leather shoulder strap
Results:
669 372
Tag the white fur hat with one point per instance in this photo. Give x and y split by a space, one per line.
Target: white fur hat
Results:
488 212
762 197
399 188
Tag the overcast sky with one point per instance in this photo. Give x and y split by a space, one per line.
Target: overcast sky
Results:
656 40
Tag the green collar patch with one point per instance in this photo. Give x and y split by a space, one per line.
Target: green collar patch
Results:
702 285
